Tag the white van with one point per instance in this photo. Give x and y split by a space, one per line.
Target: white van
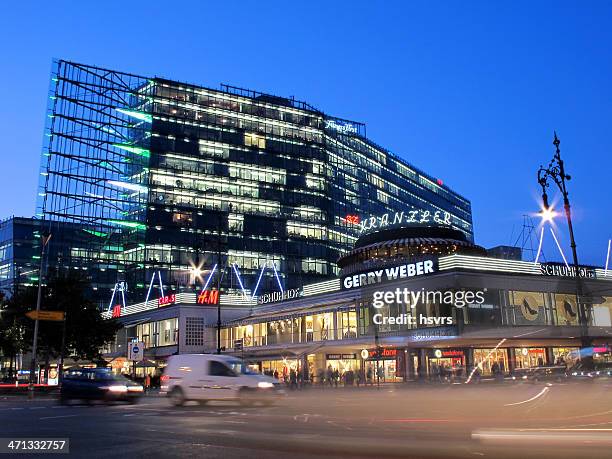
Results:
204 377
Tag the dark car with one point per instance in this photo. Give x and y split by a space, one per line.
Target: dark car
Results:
599 370
556 373
98 384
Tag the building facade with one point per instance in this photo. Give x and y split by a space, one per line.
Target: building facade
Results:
173 181
19 253
521 315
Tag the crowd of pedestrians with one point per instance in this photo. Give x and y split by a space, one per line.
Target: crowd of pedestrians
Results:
330 377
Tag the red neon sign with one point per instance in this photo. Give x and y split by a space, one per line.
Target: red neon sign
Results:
117 310
384 353
208 297
166 300
452 353
352 219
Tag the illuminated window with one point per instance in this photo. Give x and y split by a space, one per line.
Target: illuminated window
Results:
254 140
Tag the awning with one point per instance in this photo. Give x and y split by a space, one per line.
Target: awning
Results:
136 322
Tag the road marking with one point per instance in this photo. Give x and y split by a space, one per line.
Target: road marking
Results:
558 437
538 395
419 420
57 417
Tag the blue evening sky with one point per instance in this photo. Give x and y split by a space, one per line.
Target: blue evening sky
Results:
470 92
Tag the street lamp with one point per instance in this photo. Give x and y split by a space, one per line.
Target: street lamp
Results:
556 172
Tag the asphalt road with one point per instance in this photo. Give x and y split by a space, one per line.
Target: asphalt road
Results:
507 421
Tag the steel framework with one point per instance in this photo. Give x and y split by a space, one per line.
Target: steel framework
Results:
95 161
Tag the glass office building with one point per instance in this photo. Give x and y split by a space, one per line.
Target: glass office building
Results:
169 180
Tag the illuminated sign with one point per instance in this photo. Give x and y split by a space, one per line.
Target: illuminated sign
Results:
340 356
280 296
166 300
448 353
116 311
420 217
561 270
352 219
344 127
389 274
208 297
383 353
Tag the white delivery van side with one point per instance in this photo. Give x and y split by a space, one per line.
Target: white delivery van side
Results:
204 377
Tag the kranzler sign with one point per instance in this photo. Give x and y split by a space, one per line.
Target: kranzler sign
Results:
379 276
411 217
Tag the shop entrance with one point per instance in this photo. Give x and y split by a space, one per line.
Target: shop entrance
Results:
388 365
530 357
446 364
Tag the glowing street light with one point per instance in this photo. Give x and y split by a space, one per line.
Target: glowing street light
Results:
547 214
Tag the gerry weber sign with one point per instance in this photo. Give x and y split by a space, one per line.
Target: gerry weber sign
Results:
280 296
411 216
558 269
390 274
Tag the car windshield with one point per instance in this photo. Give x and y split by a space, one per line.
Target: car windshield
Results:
240 367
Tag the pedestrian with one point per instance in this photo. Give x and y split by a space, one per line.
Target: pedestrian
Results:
336 377
292 379
330 375
349 378
147 382
369 376
275 374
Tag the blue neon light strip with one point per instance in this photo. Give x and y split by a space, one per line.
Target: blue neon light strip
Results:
239 280
259 280
210 277
277 278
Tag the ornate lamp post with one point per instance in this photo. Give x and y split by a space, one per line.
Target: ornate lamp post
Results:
556 172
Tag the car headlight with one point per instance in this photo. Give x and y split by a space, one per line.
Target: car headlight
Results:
135 388
574 374
265 385
116 388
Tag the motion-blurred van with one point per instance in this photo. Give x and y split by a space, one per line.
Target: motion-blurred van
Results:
204 377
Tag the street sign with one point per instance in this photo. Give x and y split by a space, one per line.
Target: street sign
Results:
56 316
136 351
238 344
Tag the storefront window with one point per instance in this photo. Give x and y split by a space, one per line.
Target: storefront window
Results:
167 330
602 313
565 355
530 357
486 359
346 324
446 364
323 326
